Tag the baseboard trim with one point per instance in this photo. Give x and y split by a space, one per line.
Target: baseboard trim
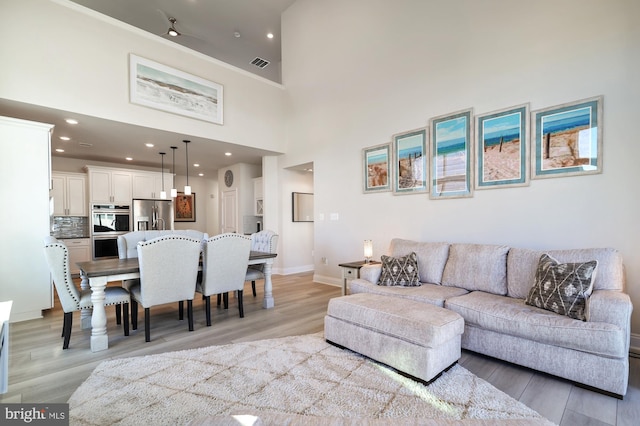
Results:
324 279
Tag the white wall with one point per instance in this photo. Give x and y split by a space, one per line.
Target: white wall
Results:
296 249
359 71
60 55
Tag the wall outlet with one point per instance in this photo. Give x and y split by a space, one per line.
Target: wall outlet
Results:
324 261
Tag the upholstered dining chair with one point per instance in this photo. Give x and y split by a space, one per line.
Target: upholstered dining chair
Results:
71 298
264 241
168 273
224 264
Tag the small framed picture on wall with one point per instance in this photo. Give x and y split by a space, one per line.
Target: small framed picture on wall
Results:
377 168
184 207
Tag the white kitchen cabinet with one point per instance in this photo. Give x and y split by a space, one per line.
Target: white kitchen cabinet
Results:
69 194
110 186
25 163
149 184
258 197
79 251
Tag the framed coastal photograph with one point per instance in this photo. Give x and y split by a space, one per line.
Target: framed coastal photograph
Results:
161 87
410 162
184 207
502 148
451 170
377 168
568 139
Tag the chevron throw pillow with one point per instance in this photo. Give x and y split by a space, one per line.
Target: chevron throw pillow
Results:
400 271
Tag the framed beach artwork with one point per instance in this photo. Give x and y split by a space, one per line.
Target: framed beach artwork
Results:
377 168
410 162
451 171
568 139
184 207
158 86
502 148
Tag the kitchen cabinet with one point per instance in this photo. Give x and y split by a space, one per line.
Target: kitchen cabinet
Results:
69 194
79 251
258 197
149 184
25 221
110 186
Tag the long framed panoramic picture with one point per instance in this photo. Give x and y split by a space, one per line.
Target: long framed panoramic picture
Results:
568 139
161 87
377 168
502 148
410 162
451 151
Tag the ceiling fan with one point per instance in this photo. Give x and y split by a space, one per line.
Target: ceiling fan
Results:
172 29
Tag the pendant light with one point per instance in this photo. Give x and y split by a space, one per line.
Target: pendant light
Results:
163 193
187 188
174 191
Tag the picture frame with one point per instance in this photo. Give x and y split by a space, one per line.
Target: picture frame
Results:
377 168
568 139
502 148
410 162
451 150
184 207
167 89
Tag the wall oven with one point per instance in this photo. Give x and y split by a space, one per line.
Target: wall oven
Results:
107 222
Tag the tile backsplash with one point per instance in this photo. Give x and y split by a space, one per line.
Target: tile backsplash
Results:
70 227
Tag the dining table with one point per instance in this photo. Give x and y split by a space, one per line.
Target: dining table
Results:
95 274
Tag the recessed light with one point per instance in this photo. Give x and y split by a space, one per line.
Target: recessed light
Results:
129 159
65 138
200 174
196 165
228 154
269 35
71 121
59 150
148 145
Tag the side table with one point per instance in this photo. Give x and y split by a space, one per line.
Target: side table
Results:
351 270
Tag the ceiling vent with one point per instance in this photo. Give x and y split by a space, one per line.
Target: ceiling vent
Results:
259 62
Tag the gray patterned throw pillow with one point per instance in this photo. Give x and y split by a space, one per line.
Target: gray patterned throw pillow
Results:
400 271
562 288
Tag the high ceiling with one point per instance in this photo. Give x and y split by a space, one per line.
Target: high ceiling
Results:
208 26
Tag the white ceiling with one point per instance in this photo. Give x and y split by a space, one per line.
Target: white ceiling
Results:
208 26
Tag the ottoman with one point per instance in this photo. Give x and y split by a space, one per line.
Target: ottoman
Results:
415 338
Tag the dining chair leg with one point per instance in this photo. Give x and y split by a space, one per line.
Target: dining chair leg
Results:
125 314
190 314
207 309
240 307
225 300
134 314
66 332
118 314
181 310
147 325
253 287
219 299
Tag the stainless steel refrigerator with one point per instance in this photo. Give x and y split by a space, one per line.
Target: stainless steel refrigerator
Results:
152 214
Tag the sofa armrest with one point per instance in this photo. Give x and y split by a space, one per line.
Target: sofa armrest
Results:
612 307
371 272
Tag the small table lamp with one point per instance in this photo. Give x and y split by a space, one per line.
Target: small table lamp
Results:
368 250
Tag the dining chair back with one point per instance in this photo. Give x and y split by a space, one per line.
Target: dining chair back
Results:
264 241
224 264
71 298
168 273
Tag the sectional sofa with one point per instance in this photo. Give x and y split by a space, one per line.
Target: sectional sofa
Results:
488 284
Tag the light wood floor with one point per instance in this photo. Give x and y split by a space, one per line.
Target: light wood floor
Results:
40 371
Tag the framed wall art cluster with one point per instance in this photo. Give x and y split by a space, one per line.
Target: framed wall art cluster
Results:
459 152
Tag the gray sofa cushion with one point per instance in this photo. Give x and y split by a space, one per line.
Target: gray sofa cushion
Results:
513 317
432 257
477 267
427 293
522 264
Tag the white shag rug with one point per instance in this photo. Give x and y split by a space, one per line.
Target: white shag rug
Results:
298 375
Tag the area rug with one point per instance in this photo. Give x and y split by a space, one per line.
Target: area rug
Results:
302 376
